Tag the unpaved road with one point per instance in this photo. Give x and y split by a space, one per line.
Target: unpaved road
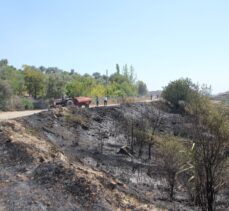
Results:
15 114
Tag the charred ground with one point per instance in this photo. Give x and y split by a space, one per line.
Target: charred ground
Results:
81 159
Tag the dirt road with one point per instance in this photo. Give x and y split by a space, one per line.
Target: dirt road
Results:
15 114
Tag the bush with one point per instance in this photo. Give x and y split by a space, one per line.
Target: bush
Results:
27 103
16 104
174 156
180 92
5 95
19 104
209 155
40 104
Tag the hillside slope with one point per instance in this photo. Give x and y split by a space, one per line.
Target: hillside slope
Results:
36 175
72 159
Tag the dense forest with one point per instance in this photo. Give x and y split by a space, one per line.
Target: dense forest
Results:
16 85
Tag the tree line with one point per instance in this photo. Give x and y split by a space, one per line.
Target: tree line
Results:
52 82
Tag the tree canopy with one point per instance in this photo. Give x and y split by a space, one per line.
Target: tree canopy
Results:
180 91
52 82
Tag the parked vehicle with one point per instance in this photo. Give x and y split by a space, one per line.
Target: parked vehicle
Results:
82 101
75 101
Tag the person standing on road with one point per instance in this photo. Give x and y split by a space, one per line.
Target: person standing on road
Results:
105 101
97 101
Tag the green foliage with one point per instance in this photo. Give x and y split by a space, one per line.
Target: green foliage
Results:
55 86
142 88
14 77
128 73
99 90
174 156
209 152
5 95
122 85
35 81
53 82
178 91
3 62
224 107
80 86
100 79
27 103
117 69
117 85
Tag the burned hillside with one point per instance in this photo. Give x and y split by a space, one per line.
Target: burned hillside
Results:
102 158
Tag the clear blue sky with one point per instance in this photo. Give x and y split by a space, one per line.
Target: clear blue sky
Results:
163 39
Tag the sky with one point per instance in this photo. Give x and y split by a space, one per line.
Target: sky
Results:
163 39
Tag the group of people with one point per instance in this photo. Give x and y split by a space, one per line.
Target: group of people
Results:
105 99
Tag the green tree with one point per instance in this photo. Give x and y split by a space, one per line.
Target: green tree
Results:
3 62
97 76
117 69
142 88
179 91
55 86
81 86
35 81
118 78
173 158
122 84
98 90
14 77
128 73
100 79
5 95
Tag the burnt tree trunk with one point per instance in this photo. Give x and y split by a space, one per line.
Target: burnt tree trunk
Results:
149 151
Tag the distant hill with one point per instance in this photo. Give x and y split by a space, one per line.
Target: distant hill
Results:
222 96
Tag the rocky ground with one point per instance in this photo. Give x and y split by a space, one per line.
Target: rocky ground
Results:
72 159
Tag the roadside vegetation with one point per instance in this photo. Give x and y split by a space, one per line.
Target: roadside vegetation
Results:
41 83
207 167
197 162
